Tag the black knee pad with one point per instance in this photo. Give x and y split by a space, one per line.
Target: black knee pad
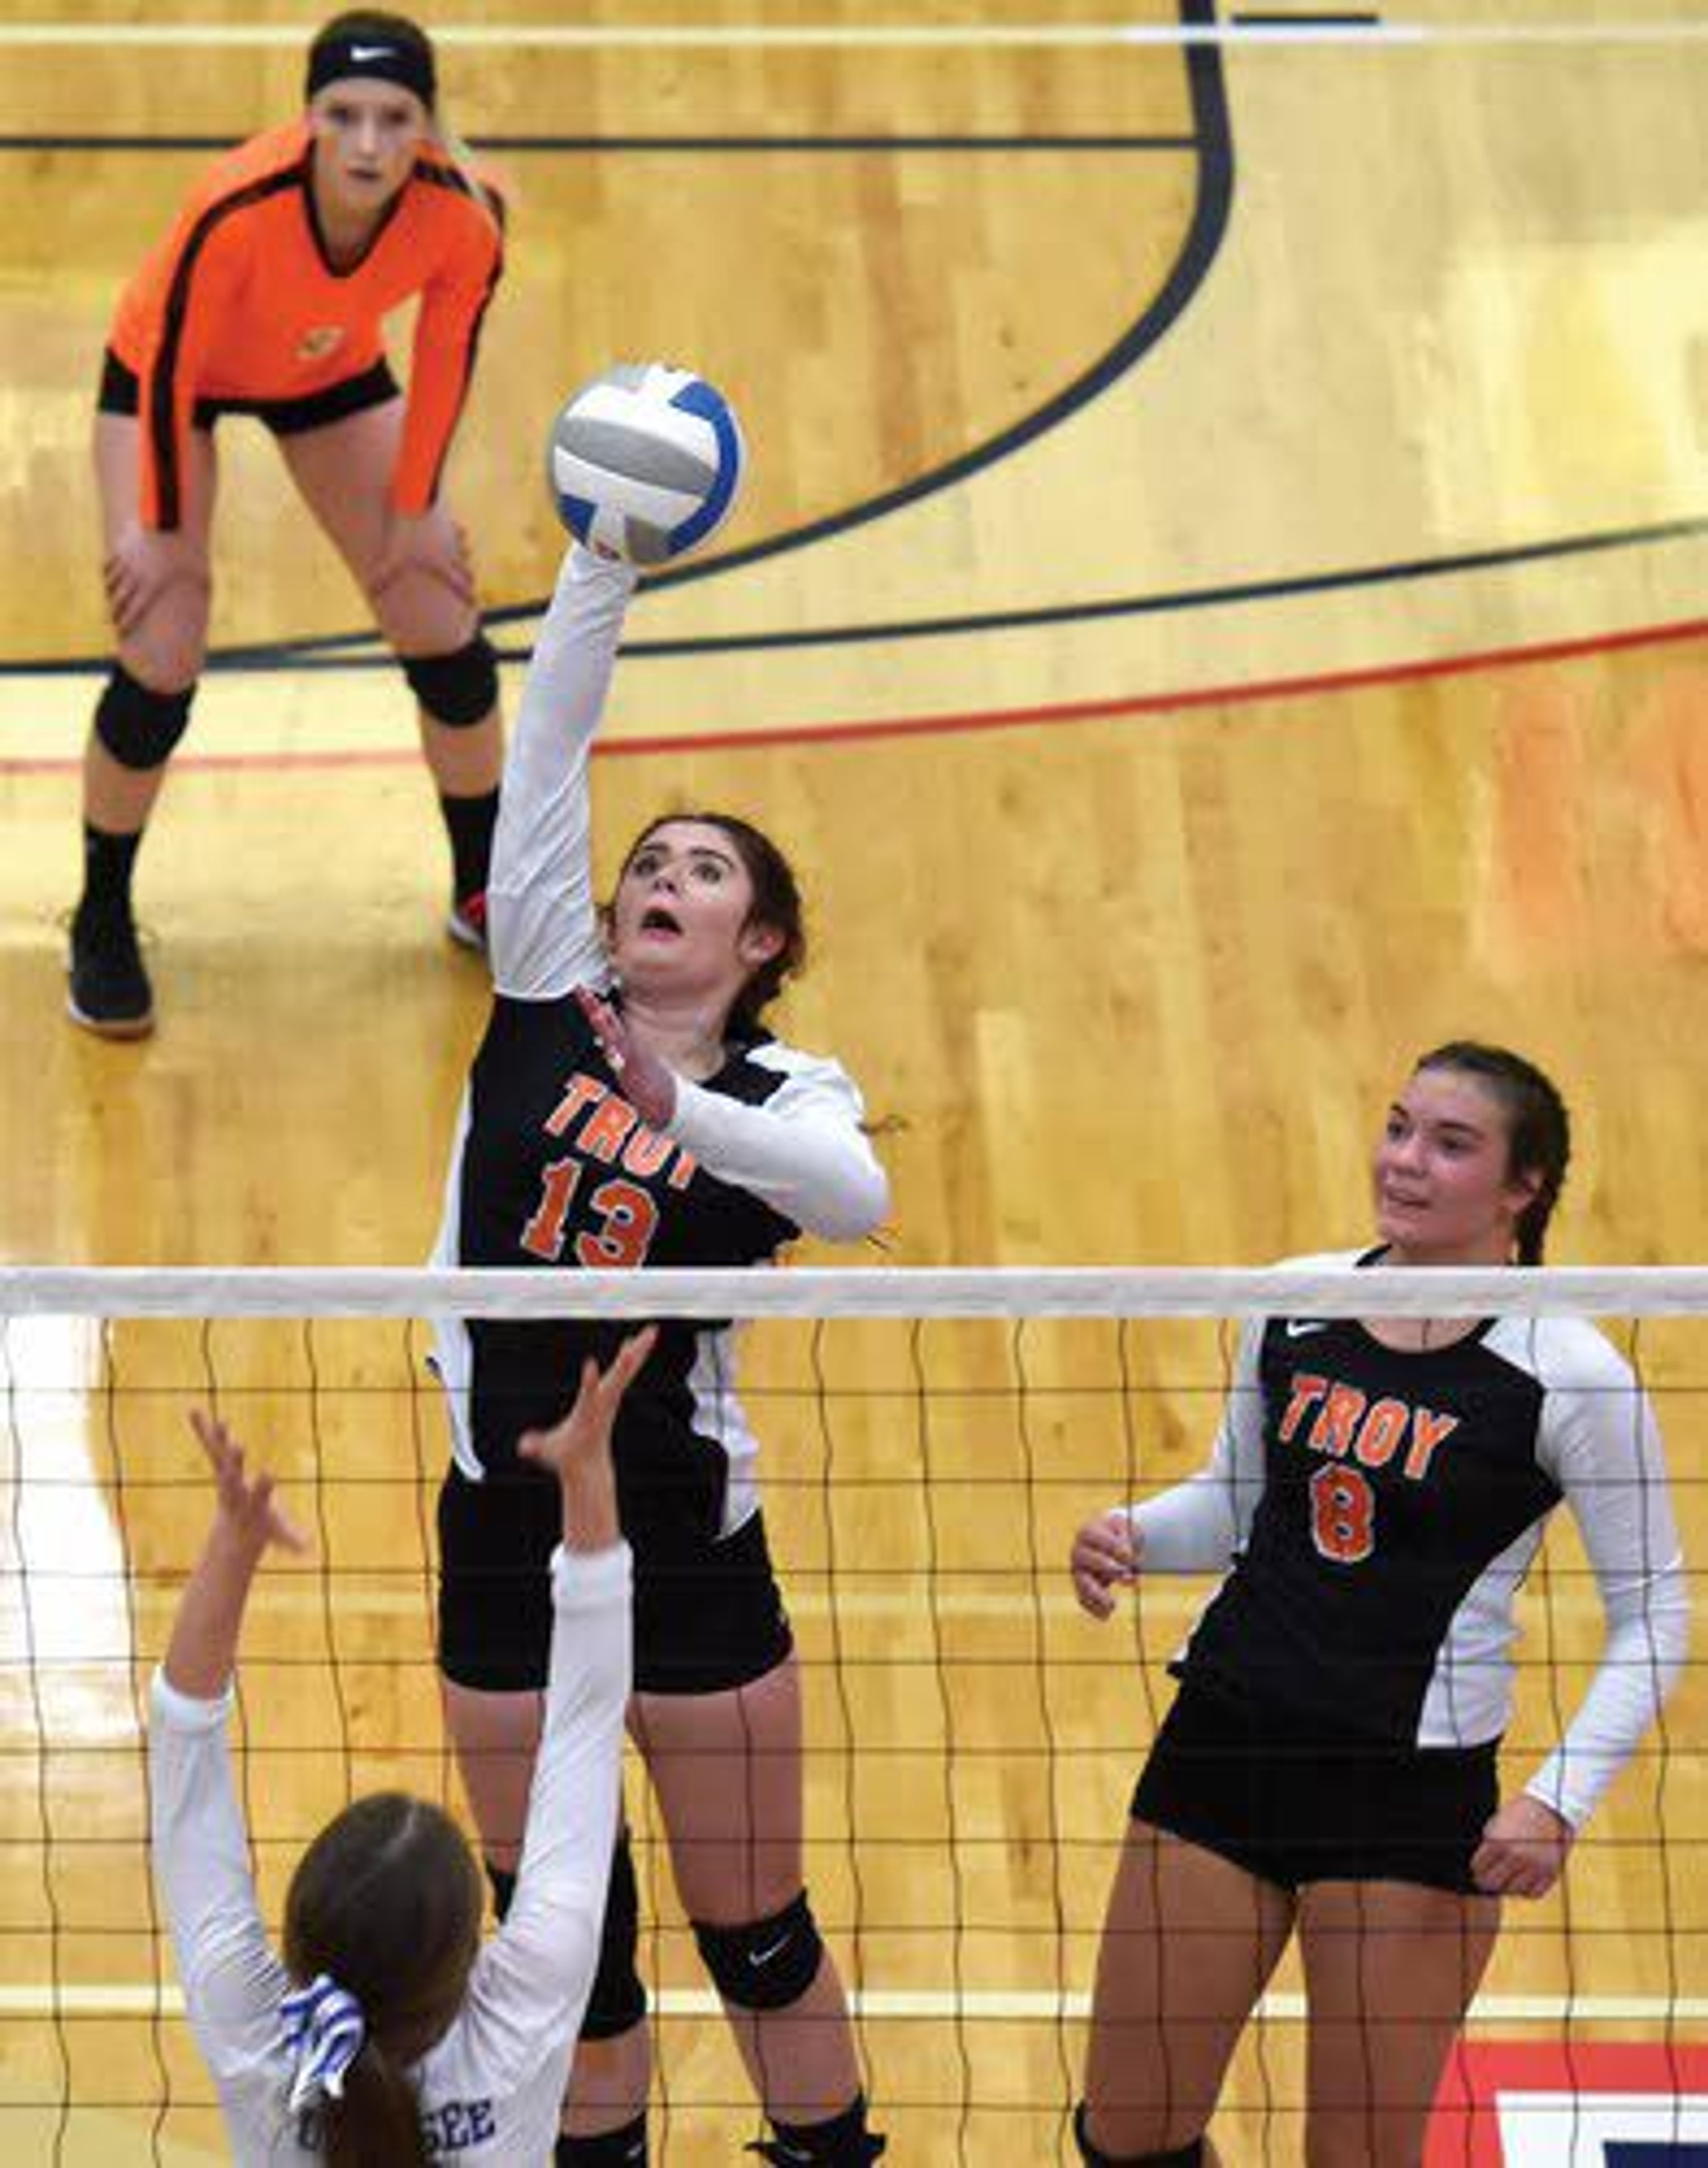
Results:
456 690
137 726
1189 2156
617 2002
768 1964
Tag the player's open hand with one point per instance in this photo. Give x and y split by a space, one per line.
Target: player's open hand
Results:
583 1438
247 1511
428 543
141 564
1105 1559
1523 1848
647 1082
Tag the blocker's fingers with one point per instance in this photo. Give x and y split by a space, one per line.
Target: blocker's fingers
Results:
214 1438
629 1358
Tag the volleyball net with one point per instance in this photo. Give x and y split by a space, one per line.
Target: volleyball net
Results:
930 1441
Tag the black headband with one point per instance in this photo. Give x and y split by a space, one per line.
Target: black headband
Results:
391 57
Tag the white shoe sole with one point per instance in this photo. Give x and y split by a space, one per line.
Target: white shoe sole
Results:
110 1027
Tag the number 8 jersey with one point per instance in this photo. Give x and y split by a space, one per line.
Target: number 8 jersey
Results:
1381 1507
554 1168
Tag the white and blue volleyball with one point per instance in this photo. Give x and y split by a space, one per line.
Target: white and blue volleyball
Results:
644 461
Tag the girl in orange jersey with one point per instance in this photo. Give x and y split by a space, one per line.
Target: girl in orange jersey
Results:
266 299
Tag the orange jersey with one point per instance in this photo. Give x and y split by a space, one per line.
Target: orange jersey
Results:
240 302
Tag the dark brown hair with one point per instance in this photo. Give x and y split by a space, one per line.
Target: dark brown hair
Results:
387 1901
777 907
1539 1129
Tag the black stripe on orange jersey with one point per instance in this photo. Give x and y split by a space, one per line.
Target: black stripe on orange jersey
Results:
454 178
162 401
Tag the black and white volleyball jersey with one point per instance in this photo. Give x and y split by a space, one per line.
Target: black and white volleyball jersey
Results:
553 1168
1381 1508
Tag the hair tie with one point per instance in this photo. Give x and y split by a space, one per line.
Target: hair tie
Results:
324 2032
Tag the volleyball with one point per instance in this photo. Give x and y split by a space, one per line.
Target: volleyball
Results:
645 461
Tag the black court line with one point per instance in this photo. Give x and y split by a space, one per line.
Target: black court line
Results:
663 146
1212 208
1211 139
1212 204
271 658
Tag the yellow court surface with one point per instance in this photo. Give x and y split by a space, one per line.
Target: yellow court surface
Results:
1216 610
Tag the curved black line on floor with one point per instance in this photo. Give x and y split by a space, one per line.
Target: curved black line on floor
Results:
278 658
1211 210
1212 139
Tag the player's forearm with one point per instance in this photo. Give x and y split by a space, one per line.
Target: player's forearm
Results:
1647 1643
202 1650
569 674
590 1508
441 373
821 1173
541 840
1195 1527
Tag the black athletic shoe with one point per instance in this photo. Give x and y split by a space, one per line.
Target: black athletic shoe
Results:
109 990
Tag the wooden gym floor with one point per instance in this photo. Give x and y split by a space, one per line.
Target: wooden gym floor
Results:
1218 608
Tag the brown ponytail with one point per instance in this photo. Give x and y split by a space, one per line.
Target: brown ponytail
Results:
387 1902
376 2124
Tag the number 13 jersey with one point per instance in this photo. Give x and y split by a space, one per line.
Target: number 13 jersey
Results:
554 1168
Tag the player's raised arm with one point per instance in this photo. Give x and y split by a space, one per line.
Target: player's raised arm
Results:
248 1522
543 927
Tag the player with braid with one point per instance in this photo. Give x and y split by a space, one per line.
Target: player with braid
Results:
1377 1493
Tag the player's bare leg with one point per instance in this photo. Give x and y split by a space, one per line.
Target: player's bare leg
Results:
142 712
726 1768
1189 1944
1391 1969
427 611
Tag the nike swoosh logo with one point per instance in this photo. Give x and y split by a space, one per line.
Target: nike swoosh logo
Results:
1298 1329
765 1956
372 52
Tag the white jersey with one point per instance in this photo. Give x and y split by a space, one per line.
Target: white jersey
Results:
553 1169
492 2088
1379 1510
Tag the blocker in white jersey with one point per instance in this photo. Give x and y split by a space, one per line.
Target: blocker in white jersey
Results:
385 2030
1376 1496
628 1107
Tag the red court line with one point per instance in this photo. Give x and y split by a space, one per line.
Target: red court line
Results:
1239 694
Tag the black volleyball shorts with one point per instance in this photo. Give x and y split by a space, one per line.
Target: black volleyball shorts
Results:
1294 1802
708 1615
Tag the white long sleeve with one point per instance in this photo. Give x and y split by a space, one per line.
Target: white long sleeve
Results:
531 1984
542 927
1602 1445
1200 1526
232 1982
804 1151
